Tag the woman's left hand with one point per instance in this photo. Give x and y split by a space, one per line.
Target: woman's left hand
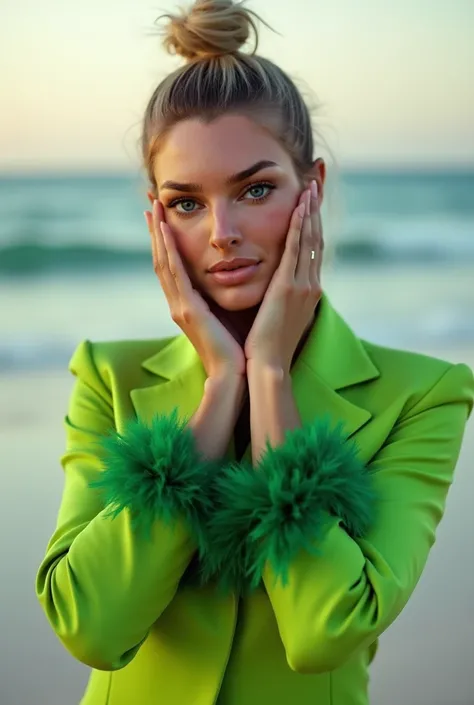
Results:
294 291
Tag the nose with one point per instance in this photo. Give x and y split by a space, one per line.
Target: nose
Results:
225 234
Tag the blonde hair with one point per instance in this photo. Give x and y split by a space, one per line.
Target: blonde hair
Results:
218 78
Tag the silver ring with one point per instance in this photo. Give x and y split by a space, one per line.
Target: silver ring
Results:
313 254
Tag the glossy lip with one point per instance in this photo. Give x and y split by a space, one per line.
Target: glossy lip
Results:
236 276
229 264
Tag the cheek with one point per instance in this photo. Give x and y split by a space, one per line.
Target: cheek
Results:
189 252
271 228
188 246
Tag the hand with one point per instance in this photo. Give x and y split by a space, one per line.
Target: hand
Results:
220 353
294 291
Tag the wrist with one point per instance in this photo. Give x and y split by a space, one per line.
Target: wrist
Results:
268 384
225 383
226 392
272 406
271 371
214 420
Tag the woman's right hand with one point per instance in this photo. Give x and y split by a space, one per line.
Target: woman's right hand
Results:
220 353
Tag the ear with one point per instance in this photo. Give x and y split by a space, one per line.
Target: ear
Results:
318 173
151 197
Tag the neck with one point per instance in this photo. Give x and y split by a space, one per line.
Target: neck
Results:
238 323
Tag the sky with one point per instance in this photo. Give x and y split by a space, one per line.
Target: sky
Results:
395 80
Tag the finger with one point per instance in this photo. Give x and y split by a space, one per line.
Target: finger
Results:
306 244
290 255
160 254
149 222
318 257
159 245
176 267
318 243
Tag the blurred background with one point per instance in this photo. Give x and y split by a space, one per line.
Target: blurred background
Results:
395 86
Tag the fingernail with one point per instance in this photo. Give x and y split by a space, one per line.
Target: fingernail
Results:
314 189
146 217
302 209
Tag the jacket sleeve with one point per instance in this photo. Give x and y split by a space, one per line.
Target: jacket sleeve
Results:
340 593
127 525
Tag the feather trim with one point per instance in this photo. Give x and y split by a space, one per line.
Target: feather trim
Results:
156 472
271 512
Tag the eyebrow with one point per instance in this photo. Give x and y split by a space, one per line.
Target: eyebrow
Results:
234 179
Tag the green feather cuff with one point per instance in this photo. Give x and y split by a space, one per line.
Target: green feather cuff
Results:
156 472
271 512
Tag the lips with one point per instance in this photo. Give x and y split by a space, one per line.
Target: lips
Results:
231 265
236 276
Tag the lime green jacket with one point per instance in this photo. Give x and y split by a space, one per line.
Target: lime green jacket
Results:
130 603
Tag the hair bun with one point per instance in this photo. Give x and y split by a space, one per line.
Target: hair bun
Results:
209 29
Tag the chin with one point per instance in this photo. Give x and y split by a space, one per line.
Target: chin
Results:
238 298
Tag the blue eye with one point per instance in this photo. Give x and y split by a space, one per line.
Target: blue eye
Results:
259 192
185 204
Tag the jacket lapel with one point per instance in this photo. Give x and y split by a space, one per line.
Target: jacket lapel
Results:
180 384
332 360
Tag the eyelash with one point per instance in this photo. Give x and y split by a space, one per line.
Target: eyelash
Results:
183 199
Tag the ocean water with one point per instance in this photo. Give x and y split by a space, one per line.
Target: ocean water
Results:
75 261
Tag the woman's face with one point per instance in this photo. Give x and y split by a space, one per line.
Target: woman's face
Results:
228 190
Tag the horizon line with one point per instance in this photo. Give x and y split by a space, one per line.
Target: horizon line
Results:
348 167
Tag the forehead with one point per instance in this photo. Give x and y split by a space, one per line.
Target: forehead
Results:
194 148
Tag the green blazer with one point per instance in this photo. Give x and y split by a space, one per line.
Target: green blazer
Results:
118 599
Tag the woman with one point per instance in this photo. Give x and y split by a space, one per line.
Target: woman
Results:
250 504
